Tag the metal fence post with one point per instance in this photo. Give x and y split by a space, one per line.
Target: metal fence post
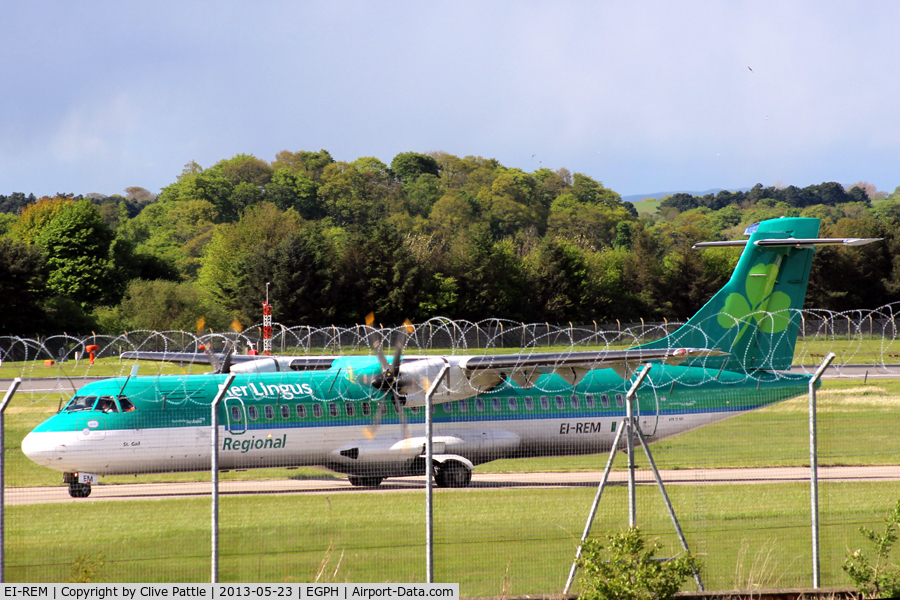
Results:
814 468
9 394
429 475
214 467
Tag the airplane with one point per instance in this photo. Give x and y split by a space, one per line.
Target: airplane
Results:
363 415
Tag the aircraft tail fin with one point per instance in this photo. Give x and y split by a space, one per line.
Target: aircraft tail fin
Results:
756 316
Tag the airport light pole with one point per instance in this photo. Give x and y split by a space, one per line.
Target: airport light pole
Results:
9 394
214 467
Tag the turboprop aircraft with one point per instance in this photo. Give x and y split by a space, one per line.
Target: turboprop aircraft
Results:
363 416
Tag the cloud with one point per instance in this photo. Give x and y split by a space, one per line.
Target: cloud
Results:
95 131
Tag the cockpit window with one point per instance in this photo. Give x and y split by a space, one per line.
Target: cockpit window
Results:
126 404
81 403
107 404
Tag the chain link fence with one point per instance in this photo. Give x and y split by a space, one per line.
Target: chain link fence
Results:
739 485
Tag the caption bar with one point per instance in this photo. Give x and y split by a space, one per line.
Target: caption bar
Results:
251 591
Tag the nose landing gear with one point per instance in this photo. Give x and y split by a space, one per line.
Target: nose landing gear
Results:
77 489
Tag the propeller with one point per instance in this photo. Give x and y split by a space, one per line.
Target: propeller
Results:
225 365
389 379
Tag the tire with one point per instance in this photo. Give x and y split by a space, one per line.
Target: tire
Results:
79 490
365 481
453 474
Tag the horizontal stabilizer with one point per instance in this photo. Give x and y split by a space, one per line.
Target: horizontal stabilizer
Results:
792 242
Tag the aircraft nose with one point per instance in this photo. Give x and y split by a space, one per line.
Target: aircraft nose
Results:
40 448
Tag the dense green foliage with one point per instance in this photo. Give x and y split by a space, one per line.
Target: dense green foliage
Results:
878 578
626 569
431 234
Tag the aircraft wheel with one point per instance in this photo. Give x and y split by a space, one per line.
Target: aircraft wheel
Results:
453 474
365 481
79 490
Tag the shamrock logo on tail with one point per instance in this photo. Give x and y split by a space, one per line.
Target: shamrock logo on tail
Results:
769 309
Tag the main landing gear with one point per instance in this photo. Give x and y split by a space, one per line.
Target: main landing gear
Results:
453 474
76 488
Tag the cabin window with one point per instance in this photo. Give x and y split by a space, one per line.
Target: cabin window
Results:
414 410
463 406
589 401
107 404
333 409
301 411
382 408
560 402
513 404
253 413
366 409
604 400
495 404
235 413
529 403
317 411
270 412
575 401
479 404
81 403
448 407
545 403
350 408
620 400
285 411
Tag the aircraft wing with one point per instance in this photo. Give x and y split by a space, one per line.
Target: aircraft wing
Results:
572 366
470 375
184 357
239 363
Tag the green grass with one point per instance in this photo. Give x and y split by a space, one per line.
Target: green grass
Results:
647 207
746 534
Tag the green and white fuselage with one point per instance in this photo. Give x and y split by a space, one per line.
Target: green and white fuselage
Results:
323 418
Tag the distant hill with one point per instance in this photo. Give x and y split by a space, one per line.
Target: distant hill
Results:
658 195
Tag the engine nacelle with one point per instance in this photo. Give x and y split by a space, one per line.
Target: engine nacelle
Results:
263 364
416 377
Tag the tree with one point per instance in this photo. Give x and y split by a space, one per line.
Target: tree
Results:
289 189
36 216
245 168
163 306
409 166
312 164
222 265
23 272
379 274
81 256
625 569
556 272
303 272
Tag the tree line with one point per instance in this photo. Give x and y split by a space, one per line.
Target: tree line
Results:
430 234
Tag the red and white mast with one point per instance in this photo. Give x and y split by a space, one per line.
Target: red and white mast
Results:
267 325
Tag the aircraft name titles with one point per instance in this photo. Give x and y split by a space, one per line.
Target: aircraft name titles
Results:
283 391
253 443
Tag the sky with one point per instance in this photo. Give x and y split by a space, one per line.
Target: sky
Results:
643 96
